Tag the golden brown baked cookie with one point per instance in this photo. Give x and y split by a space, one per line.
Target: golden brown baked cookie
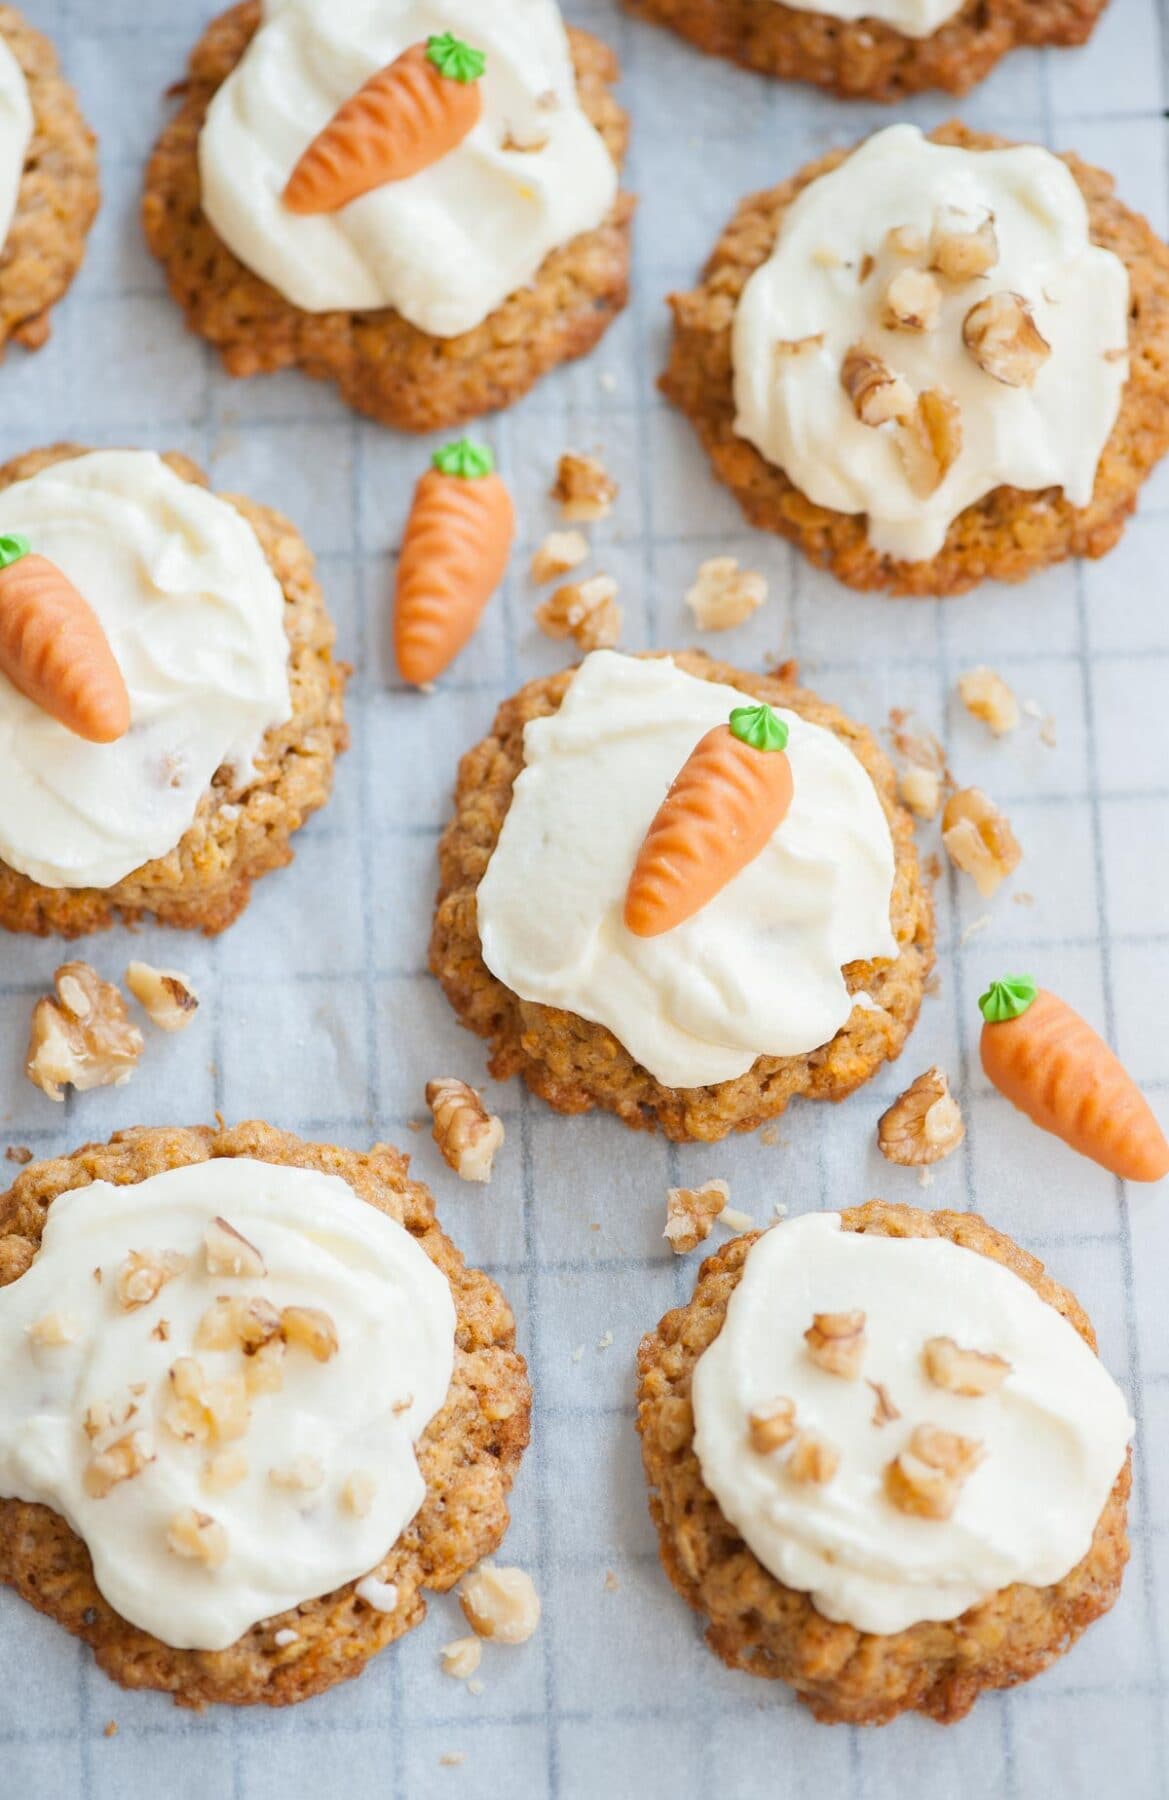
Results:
865 58
239 832
1009 534
468 1455
59 192
382 365
576 1065
759 1625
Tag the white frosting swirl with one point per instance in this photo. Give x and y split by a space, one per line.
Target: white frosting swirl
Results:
195 618
912 18
1054 1433
758 970
16 128
324 1248
794 409
444 247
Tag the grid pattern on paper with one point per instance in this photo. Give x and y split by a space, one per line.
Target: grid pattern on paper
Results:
319 1016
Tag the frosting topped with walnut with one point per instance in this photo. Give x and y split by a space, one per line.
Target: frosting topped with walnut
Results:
900 1426
218 1376
933 323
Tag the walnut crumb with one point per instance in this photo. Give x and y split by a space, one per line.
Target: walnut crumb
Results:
612 1585
923 1125
836 1342
83 1038
959 250
310 1328
691 1213
734 1220
1001 335
225 1471
53 1330
199 1536
197 1410
452 1759
120 1461
500 1604
585 611
986 696
969 1372
723 594
525 140
584 488
238 1324
926 1479
168 999
913 301
879 397
357 1493
230 1253
979 840
772 1425
461 1657
813 1459
930 441
905 240
884 1411
560 552
787 348
465 1132
110 1729
18 1153
921 790
143 1274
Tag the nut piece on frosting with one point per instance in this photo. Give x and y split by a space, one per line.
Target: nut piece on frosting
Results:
465 1132
82 1038
979 840
813 1459
311 1329
771 1426
230 1253
723 594
913 301
585 611
923 1125
986 696
970 1372
930 442
1001 335
500 1604
584 489
926 1479
959 251
143 1274
879 397
119 1461
198 1535
168 999
836 1342
691 1213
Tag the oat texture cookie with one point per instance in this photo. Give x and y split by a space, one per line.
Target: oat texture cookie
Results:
884 1461
227 700
421 316
904 362
270 1444
49 190
800 977
874 49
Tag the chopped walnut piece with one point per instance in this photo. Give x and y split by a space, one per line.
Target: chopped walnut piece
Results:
926 1479
119 1461
879 397
310 1328
813 1459
199 1411
884 1411
1001 335
357 1493
771 1426
986 696
524 139
232 1324
979 840
923 1125
560 552
303 1475
584 488
143 1274
723 594
102 1418
930 442
501 1604
913 301
168 999
786 348
466 1133
585 611
198 1535
82 1038
836 1342
18 1153
225 1471
921 790
462 1657
229 1253
959 251
54 1330
691 1213
905 240
969 1372
264 1372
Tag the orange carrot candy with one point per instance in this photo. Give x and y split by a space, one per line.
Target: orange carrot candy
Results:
53 648
414 111
454 555
1049 1063
729 797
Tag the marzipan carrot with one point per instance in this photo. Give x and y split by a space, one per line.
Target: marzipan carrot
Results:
407 116
54 650
722 809
1049 1063
454 554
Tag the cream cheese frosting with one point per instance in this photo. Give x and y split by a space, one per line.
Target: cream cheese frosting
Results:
444 247
1053 1435
758 970
912 18
16 127
793 407
195 618
330 1477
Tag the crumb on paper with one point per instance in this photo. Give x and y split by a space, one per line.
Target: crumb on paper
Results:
585 611
476 1687
1047 734
577 1354
921 790
779 1210
1023 898
925 1176
452 1759
461 1657
691 1213
723 594
466 1133
607 381
986 696
18 1153
584 488
734 1220
612 1585
605 1341
111 1728
560 552
500 1603
979 840
82 1037
769 1135
975 928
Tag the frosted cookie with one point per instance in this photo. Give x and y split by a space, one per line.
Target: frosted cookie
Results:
253 1405
49 190
873 49
800 975
492 245
170 708
884 1461
932 361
